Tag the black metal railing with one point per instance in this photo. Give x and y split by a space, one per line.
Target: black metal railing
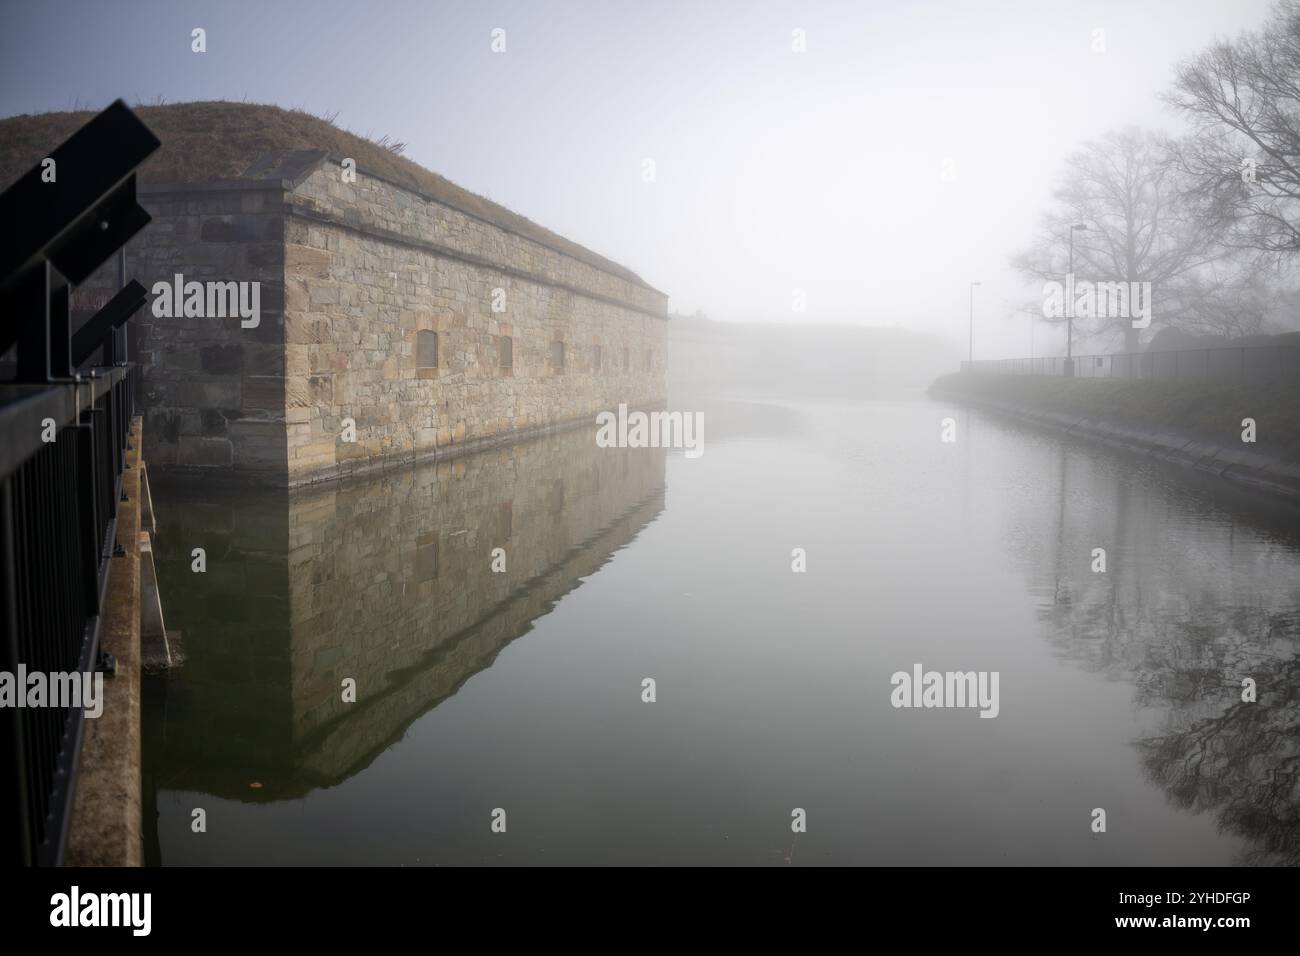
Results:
66 405
1240 364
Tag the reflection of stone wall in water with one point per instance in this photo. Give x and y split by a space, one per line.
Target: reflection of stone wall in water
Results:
388 582
424 610
220 706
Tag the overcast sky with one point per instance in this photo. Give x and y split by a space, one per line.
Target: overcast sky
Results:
774 170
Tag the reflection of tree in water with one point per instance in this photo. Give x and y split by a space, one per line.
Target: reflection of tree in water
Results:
1200 592
1167 651
1177 629
1218 754
1242 764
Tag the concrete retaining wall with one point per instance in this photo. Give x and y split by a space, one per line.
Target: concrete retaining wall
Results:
106 827
1231 462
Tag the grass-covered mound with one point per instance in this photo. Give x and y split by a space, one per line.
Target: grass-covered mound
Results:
214 140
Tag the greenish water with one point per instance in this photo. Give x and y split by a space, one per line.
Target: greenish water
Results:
522 690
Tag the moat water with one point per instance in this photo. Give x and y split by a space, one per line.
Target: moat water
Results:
522 691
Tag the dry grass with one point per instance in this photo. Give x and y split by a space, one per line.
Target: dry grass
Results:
219 140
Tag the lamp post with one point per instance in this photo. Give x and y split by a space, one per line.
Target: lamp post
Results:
1029 314
972 326
1069 304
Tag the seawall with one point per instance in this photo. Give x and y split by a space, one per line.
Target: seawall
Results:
1195 425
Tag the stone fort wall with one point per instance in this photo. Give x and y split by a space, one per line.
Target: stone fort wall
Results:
212 393
370 267
355 278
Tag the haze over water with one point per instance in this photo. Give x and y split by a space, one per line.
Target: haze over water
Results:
522 690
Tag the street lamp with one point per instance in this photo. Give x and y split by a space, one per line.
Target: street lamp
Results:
972 325
1069 304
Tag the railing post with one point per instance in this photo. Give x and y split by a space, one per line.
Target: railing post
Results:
30 300
15 786
57 499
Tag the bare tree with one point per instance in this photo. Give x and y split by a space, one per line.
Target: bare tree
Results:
1138 228
1236 297
1242 161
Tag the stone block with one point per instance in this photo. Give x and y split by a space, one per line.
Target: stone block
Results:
213 423
317 449
209 452
306 328
221 359
264 359
242 228
262 257
300 260
209 394
264 393
297 297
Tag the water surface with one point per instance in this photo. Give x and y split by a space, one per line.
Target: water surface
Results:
522 690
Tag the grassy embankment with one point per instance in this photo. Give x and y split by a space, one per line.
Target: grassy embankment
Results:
1210 412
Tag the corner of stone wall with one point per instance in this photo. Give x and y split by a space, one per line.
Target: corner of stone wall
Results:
213 390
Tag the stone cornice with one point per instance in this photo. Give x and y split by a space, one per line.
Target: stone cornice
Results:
309 213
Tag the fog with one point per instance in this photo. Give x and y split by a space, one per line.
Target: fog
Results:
708 359
866 160
431 551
